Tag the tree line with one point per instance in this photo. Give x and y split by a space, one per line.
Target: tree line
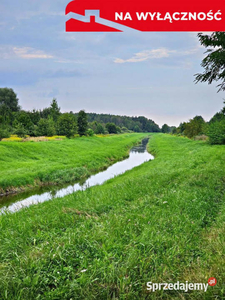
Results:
51 121
123 123
198 128
47 122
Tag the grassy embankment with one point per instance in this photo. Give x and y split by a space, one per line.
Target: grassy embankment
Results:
162 222
28 164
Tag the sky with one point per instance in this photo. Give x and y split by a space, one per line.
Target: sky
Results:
129 73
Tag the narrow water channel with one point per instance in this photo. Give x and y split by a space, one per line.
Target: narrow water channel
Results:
12 203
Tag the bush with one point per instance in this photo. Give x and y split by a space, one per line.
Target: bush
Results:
90 132
111 127
4 133
216 132
118 129
20 130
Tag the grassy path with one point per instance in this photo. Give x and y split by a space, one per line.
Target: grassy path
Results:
30 163
162 222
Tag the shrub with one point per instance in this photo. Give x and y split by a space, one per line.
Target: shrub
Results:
111 127
20 130
4 133
90 132
216 132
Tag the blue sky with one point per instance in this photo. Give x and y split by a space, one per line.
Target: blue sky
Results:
131 73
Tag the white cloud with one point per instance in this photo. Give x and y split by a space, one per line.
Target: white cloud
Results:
30 53
158 53
146 55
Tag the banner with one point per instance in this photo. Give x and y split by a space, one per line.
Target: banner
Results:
147 15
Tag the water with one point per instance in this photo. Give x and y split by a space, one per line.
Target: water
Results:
138 155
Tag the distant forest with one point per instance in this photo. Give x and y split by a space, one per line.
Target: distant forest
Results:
136 124
51 121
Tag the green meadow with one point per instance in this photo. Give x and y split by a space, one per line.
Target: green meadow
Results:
161 222
26 164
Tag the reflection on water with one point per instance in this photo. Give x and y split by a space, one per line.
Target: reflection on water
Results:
138 155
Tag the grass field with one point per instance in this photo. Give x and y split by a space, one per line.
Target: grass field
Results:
162 222
29 163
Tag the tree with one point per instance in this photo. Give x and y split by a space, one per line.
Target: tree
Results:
214 62
46 127
137 128
54 110
165 128
4 133
99 129
216 132
35 116
67 125
9 99
111 128
219 116
20 130
22 117
195 127
82 122
8 105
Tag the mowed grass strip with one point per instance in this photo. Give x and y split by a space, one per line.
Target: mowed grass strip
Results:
152 223
63 161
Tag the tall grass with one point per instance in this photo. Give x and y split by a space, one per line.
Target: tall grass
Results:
162 222
23 164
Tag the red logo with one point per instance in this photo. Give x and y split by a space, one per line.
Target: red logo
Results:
212 281
145 15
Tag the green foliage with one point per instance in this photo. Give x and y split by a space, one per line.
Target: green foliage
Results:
82 122
165 128
111 127
216 132
8 100
90 132
23 118
20 130
8 105
195 127
67 125
182 127
137 128
35 116
219 116
46 127
118 129
54 110
125 129
145 125
11 116
4 133
214 62
99 129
